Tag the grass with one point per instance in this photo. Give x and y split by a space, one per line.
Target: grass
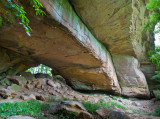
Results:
157 111
36 109
92 107
28 108
56 100
67 116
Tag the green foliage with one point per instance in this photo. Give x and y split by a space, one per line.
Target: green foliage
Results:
56 100
18 11
157 94
155 58
92 107
157 111
67 115
30 108
154 18
37 7
1 20
40 69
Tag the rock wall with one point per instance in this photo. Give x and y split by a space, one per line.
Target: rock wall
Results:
118 24
62 41
12 63
131 79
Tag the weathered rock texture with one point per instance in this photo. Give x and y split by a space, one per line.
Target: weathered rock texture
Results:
12 62
131 79
62 41
117 24
149 70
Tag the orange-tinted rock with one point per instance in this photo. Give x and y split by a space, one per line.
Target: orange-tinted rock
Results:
61 40
131 79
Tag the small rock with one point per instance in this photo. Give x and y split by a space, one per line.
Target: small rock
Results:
135 104
74 104
25 98
29 86
20 117
109 113
19 80
5 82
40 97
50 83
60 78
51 91
37 84
5 93
32 97
28 75
15 87
67 106
85 115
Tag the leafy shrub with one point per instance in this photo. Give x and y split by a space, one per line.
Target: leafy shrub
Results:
157 94
157 111
155 58
154 18
30 108
18 11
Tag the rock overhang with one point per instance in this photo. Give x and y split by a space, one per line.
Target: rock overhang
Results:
61 40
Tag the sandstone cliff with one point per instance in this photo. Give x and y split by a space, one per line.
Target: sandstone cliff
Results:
82 53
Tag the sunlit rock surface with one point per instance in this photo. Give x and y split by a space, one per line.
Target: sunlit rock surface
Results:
60 40
131 79
63 40
117 24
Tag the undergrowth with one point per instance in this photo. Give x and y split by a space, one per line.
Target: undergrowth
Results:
28 108
67 116
92 107
157 111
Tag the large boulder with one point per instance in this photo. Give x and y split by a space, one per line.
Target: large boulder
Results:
70 107
131 79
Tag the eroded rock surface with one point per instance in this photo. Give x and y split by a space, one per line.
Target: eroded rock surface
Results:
117 24
60 40
131 79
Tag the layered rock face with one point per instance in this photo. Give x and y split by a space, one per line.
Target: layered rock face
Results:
62 41
118 25
12 63
132 80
